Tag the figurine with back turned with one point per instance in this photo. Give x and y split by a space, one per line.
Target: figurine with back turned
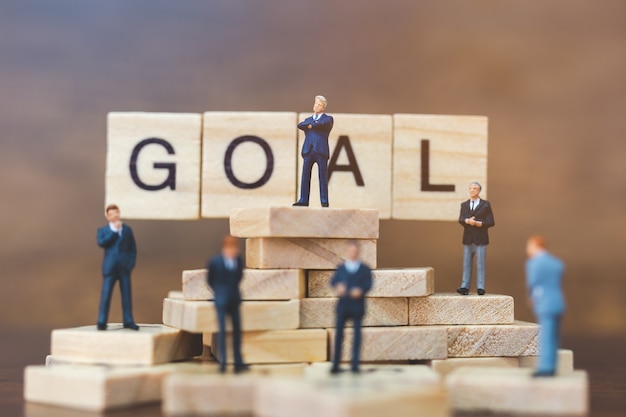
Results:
352 281
476 218
224 273
544 273
120 254
315 151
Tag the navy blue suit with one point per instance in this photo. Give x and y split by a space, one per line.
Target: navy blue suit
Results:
544 273
225 285
120 254
315 151
350 308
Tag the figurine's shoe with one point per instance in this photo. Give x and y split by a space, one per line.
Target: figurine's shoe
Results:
355 370
242 368
132 326
102 326
335 370
462 290
222 369
300 204
324 204
543 374
481 291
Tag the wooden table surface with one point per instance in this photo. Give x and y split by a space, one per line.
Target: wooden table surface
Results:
602 357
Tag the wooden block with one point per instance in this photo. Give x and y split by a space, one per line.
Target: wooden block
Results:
265 253
200 316
304 222
249 160
320 312
152 344
257 284
163 182
457 155
175 294
512 390
423 374
276 346
518 339
564 364
95 388
395 343
445 366
403 282
459 309
367 138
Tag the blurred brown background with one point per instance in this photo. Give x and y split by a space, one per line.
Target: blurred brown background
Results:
549 75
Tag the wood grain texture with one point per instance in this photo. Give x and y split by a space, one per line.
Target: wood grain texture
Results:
457 309
564 364
518 339
320 312
445 366
304 222
401 282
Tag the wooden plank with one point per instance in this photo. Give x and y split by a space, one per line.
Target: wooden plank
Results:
200 316
304 222
257 284
175 294
152 344
396 343
564 364
518 339
320 312
127 132
269 253
512 390
262 173
402 282
457 309
445 366
457 156
277 346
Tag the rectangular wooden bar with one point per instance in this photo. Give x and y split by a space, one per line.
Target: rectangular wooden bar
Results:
445 366
518 339
458 309
320 312
564 364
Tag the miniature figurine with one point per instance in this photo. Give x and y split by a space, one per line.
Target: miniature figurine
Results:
224 273
120 254
315 151
476 218
544 273
352 281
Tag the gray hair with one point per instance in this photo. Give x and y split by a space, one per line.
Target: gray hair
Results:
477 183
322 99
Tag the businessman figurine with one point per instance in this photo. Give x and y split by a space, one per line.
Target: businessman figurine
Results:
544 273
352 280
224 275
120 253
476 218
315 151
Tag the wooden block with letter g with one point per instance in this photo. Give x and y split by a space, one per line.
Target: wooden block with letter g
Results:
249 160
153 164
435 157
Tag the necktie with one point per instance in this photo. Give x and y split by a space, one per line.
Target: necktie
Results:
316 117
472 206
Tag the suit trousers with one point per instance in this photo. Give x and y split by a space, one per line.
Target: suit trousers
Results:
322 168
548 341
232 311
108 283
356 342
468 260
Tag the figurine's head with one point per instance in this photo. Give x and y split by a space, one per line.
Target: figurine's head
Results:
353 250
112 213
320 104
474 189
534 245
230 246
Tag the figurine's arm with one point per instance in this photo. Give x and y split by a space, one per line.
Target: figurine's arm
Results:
367 282
338 283
304 125
133 247
211 274
488 221
106 237
464 215
325 126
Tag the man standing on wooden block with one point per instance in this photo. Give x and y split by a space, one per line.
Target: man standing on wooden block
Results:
224 274
544 273
315 151
120 254
476 218
352 280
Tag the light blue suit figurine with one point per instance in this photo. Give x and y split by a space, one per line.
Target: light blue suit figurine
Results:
544 274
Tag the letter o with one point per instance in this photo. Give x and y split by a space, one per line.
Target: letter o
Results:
269 166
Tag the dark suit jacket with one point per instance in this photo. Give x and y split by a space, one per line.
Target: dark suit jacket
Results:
120 252
316 138
362 278
483 213
224 282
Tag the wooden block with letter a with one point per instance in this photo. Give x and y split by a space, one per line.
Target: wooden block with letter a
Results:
320 312
518 339
457 309
268 253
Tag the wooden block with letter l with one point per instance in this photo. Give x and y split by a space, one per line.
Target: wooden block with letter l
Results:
320 312
457 309
201 317
402 282
564 363
517 339
152 344
277 346
435 157
153 164
257 284
269 253
304 222
249 160
514 391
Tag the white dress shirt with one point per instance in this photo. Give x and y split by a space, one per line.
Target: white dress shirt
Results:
352 266
474 204
114 229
